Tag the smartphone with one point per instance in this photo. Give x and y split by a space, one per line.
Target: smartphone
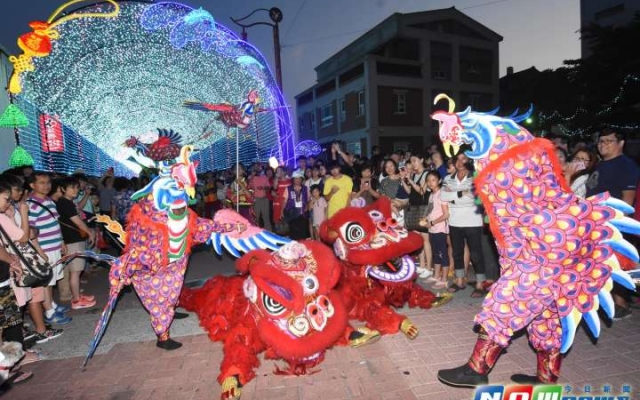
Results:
402 169
579 165
366 183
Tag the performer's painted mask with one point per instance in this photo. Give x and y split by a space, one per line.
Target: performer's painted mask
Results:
175 186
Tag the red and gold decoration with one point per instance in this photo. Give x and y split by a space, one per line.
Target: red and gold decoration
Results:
39 42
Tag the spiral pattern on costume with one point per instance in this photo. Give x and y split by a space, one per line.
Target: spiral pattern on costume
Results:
551 257
272 306
299 325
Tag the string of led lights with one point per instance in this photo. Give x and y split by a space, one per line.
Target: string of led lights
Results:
560 121
109 79
86 155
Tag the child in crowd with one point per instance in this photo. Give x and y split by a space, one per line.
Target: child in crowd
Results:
72 228
43 216
318 208
436 222
18 221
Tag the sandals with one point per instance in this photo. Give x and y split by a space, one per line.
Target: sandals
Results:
455 288
31 356
440 284
19 377
478 293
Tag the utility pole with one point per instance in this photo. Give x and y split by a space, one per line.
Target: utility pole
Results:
275 14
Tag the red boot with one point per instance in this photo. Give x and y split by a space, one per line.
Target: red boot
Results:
475 372
548 369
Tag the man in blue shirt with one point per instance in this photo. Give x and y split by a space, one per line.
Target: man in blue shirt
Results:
617 174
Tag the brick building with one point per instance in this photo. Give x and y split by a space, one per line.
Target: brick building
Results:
378 90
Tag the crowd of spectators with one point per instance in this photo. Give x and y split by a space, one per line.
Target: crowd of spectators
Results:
429 194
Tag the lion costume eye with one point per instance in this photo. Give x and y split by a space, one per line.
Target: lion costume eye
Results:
272 306
352 232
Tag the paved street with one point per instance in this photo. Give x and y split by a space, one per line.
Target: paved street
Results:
129 366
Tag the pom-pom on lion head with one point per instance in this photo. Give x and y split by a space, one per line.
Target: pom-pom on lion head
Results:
371 236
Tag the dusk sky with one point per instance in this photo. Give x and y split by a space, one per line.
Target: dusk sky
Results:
541 33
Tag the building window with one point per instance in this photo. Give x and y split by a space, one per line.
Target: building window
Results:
361 102
438 75
354 147
610 12
401 103
473 69
343 110
300 124
313 122
474 100
326 116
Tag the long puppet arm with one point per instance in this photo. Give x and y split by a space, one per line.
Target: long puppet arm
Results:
235 239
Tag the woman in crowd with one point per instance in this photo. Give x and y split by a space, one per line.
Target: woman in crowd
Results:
239 195
314 179
418 201
391 186
106 192
366 187
465 223
10 315
322 171
281 183
577 172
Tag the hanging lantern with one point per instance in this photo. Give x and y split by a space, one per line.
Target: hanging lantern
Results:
13 117
38 42
20 158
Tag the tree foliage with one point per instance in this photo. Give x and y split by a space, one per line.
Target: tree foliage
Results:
603 88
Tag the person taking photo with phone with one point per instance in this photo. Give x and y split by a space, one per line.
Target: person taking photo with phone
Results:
365 187
581 165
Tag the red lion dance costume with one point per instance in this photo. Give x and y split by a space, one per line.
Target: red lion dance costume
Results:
161 229
559 253
283 304
378 273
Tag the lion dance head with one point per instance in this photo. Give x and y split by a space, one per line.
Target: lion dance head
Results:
291 290
371 237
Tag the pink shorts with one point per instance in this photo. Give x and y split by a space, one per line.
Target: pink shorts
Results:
37 294
23 294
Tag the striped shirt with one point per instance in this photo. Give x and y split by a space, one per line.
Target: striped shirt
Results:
49 233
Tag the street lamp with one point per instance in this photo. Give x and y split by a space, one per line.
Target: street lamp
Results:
276 16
